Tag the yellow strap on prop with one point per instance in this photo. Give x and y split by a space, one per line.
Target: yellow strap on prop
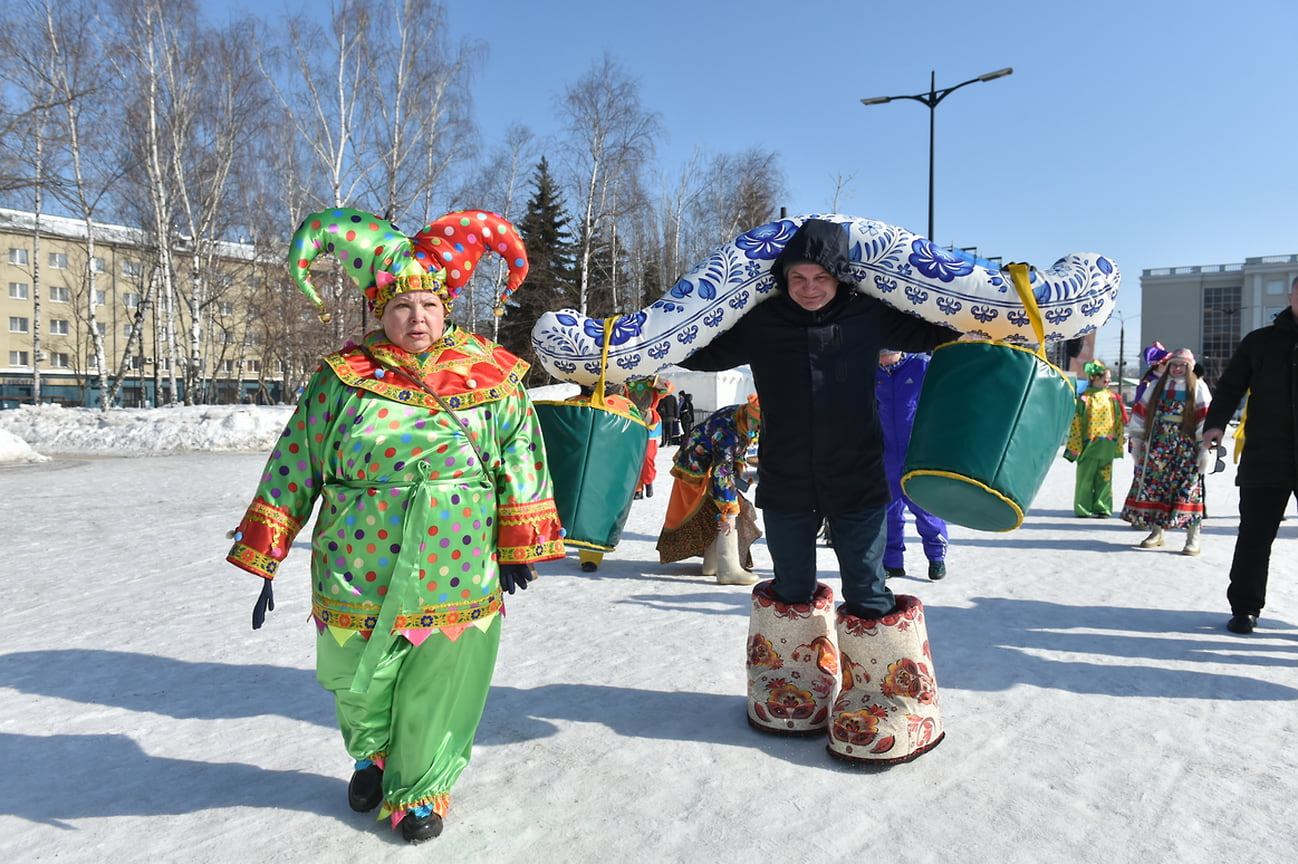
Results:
1022 284
597 398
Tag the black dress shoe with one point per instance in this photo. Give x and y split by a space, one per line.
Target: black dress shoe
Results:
1242 622
648 490
417 829
365 792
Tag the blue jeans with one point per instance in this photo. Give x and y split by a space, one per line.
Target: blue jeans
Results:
859 542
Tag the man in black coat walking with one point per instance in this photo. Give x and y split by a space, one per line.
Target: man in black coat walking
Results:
1264 366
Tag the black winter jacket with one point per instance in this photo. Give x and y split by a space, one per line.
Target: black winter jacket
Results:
821 447
1265 365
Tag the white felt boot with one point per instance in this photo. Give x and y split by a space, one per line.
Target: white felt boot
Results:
792 662
1154 540
728 569
710 558
1191 540
888 710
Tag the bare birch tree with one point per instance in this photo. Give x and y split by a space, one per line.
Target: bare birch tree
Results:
611 139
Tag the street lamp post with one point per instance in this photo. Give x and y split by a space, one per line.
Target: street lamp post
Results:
931 99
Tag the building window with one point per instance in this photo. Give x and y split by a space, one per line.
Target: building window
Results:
227 338
136 362
1221 310
59 260
101 297
126 331
17 324
131 268
227 308
102 328
97 265
60 293
253 366
18 256
19 291
59 326
60 360
227 367
19 358
131 301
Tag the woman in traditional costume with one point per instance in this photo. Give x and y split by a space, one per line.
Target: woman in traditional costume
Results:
436 495
707 515
1167 444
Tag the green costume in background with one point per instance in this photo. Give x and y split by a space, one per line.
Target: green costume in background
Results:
1095 439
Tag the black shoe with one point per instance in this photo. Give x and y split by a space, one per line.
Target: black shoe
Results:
936 570
637 496
894 572
589 566
365 791
1242 622
417 829
648 490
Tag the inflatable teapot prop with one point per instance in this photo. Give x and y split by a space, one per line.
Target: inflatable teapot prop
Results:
908 272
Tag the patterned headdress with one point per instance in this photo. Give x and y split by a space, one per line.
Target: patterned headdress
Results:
385 262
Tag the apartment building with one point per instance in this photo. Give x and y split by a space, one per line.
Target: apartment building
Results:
51 290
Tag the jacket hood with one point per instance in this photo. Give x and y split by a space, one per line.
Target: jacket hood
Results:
820 242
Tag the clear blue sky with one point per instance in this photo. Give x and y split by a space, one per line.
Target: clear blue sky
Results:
1158 133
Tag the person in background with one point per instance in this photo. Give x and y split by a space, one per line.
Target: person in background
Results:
1095 439
427 513
708 515
898 383
647 393
1166 430
669 411
685 414
1265 368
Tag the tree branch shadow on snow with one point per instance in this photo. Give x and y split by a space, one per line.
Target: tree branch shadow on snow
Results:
170 687
1001 642
95 776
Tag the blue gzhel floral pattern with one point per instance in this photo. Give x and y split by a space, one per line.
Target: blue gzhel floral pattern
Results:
908 272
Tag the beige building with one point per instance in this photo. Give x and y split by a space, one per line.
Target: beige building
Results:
46 294
1208 309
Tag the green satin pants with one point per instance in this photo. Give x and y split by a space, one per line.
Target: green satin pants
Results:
421 710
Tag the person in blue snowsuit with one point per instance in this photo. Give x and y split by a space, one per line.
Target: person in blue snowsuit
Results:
897 384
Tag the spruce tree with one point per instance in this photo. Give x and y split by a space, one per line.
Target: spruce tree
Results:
551 271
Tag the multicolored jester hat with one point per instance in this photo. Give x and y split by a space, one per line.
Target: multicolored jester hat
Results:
385 262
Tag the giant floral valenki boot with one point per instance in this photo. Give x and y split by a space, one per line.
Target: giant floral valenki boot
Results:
887 711
792 662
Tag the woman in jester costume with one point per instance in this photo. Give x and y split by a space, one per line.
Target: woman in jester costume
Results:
436 496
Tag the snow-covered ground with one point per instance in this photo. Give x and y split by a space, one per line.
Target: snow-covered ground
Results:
1095 707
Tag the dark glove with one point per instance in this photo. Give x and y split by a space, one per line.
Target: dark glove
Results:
265 603
512 575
